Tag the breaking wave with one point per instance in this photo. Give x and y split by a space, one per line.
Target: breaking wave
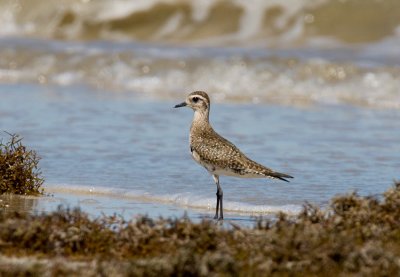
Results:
272 23
291 79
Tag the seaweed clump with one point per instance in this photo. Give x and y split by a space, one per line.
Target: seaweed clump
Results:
19 171
355 236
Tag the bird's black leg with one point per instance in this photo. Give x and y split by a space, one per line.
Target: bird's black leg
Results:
219 199
216 180
216 210
221 214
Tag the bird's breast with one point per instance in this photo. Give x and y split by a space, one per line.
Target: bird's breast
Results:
210 168
195 155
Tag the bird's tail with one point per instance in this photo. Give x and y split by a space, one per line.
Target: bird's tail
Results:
280 176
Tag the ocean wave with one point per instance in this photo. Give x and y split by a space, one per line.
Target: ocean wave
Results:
272 23
170 73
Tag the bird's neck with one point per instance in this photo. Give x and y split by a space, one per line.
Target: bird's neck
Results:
200 119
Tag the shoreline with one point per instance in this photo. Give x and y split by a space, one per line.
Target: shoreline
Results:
100 204
357 235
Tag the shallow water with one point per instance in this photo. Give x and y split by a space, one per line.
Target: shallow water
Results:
122 145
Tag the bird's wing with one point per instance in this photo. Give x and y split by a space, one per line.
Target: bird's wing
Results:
220 152
217 151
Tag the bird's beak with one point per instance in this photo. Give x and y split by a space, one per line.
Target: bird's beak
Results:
183 104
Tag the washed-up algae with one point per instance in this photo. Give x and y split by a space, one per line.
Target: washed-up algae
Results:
354 235
19 168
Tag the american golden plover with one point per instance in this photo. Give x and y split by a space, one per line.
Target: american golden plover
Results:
215 153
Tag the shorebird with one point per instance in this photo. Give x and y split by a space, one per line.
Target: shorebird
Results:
218 155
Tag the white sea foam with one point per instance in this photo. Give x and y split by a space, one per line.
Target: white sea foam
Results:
169 72
183 200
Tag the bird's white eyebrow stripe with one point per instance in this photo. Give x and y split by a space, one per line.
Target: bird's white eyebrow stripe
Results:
199 96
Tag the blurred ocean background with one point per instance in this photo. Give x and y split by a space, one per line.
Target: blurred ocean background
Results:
307 87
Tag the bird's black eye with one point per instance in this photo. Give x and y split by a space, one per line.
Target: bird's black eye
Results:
195 99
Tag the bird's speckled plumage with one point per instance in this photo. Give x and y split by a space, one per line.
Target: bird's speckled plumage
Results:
221 157
218 155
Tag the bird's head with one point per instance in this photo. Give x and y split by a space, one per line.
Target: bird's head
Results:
198 101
